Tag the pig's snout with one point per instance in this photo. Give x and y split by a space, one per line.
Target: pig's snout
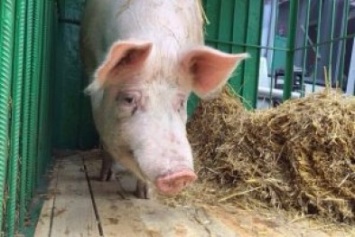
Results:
173 183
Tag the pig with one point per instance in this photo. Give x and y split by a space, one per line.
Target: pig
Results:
144 59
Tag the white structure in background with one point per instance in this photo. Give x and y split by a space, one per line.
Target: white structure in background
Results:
272 27
350 90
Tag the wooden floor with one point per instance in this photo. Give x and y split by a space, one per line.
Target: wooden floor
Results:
79 205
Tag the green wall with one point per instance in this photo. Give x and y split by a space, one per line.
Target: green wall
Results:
73 124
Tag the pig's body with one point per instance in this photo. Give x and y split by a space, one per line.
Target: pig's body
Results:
169 25
145 57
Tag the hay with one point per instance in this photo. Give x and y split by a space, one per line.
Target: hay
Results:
298 156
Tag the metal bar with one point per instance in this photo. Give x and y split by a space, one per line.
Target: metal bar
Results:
328 41
331 46
305 44
290 45
25 172
30 159
7 15
43 96
320 7
253 36
209 40
212 11
238 35
16 116
344 32
52 49
35 84
273 60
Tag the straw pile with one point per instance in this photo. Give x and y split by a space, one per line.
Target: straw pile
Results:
298 156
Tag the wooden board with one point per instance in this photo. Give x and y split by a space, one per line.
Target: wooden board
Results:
73 213
122 214
44 221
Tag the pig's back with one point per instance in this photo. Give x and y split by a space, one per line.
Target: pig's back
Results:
172 25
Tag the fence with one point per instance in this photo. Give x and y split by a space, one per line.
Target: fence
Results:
27 31
290 42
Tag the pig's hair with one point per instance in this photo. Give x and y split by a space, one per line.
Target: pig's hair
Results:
94 87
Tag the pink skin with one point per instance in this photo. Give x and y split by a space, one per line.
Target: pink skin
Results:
145 58
166 157
142 121
171 184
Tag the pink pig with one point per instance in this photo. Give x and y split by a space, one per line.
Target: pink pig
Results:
145 57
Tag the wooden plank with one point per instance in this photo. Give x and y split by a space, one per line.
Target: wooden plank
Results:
73 213
44 220
122 214
112 202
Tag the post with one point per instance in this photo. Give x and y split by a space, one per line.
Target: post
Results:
292 28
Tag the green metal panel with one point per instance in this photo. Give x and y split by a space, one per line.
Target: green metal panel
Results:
7 16
225 24
235 27
226 32
87 136
212 10
73 124
25 172
291 49
34 96
43 93
24 85
192 104
251 72
17 87
238 38
279 60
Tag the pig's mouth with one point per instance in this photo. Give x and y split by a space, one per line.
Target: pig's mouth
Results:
173 183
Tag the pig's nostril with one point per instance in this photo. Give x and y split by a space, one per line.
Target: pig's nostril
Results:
173 183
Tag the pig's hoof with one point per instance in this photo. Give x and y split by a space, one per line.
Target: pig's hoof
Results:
142 190
106 176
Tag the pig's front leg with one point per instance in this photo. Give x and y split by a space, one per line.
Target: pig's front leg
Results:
142 190
106 173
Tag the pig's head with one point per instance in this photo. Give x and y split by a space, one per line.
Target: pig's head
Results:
142 110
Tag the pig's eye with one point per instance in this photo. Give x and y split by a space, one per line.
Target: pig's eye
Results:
127 99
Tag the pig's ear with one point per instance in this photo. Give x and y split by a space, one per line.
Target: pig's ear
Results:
209 68
123 59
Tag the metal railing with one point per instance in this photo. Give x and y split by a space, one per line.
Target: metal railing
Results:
26 37
236 26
